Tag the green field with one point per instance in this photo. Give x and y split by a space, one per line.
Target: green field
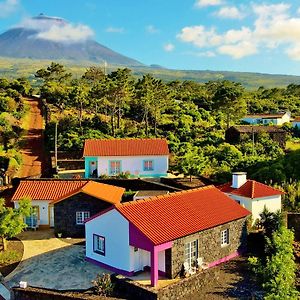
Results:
13 68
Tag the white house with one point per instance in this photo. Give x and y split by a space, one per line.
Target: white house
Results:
138 157
275 119
252 195
165 233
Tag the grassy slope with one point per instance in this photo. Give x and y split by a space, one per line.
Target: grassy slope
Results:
12 68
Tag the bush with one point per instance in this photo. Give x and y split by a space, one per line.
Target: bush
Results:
103 285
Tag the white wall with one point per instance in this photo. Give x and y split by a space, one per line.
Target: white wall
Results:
161 261
115 228
256 206
134 164
43 208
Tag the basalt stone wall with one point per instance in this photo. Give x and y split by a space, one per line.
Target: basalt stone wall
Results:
209 245
65 213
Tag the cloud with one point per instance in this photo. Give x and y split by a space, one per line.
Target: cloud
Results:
57 29
152 29
169 47
204 3
202 54
230 12
8 7
114 29
273 26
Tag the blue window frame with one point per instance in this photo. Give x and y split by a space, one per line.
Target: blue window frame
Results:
99 244
148 165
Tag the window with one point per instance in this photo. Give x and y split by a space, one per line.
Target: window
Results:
114 167
191 253
99 244
225 237
81 216
148 165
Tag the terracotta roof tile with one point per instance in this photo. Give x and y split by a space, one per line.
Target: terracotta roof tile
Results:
105 192
251 189
125 147
58 190
169 217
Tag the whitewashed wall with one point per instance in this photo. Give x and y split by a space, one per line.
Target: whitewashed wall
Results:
135 165
115 228
44 210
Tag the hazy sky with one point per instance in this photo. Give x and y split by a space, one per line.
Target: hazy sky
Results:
256 36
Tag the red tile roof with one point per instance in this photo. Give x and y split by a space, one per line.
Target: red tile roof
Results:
169 217
58 190
125 147
109 193
251 189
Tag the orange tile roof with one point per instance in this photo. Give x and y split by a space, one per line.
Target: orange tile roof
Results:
251 189
169 217
125 147
58 190
46 189
109 193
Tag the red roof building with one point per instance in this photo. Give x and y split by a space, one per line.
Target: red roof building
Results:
168 233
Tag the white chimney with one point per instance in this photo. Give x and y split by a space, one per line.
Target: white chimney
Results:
238 179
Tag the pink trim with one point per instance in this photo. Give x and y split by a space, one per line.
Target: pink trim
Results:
154 267
224 259
99 213
110 268
138 239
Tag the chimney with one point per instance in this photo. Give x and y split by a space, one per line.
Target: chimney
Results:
238 179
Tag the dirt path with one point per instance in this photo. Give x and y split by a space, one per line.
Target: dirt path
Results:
33 150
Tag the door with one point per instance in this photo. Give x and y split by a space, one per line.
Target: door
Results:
32 221
137 260
51 215
93 169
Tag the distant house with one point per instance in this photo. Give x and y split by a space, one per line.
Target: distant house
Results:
234 134
166 233
296 122
147 194
252 195
138 157
65 204
265 119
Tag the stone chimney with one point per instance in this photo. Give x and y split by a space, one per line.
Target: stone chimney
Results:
238 179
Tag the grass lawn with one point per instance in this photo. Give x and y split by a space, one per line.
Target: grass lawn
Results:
10 258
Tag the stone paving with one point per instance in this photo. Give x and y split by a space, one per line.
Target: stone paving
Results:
51 263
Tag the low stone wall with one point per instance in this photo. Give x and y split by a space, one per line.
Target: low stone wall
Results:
293 222
182 289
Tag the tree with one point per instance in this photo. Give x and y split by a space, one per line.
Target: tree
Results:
191 161
55 72
12 219
227 97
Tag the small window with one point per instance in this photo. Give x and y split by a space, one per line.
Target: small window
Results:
148 165
99 244
225 237
115 167
81 216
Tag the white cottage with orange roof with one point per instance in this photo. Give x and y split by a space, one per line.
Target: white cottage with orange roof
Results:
252 195
138 157
65 204
167 233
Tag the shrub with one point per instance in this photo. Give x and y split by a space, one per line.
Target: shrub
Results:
103 285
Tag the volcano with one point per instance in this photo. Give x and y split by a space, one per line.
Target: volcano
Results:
52 38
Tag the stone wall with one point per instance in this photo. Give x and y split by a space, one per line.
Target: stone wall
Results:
65 213
209 245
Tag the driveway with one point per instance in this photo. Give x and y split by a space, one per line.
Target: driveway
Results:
51 263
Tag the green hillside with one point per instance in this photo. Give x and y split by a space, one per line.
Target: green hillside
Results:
13 68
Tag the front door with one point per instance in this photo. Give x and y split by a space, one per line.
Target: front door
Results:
51 215
32 221
93 169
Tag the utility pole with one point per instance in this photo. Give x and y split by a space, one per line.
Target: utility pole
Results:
55 147
105 68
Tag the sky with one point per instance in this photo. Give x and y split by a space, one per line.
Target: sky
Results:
227 35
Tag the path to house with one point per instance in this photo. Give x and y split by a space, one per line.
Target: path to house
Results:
32 148
51 263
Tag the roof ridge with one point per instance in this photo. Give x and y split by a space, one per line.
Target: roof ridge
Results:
148 199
